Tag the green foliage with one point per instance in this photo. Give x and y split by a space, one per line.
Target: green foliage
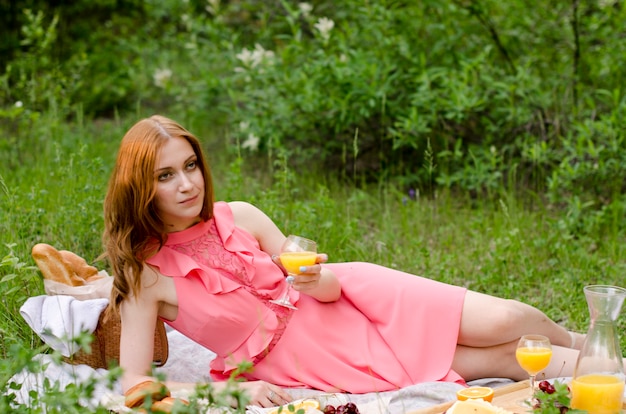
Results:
476 142
81 396
498 248
512 95
552 403
35 80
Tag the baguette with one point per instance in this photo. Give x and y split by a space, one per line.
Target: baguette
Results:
80 265
53 267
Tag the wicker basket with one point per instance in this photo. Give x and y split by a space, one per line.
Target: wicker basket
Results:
105 347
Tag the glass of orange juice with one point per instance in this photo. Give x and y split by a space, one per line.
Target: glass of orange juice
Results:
295 252
533 354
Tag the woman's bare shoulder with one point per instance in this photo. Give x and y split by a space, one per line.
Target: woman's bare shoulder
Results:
242 207
253 220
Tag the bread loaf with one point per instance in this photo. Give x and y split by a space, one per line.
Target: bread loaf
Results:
166 405
79 265
136 395
53 267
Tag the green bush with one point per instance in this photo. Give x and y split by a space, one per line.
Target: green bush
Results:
362 89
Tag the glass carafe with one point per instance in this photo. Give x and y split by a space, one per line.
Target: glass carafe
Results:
598 382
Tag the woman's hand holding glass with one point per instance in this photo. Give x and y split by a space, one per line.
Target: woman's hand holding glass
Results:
308 277
298 257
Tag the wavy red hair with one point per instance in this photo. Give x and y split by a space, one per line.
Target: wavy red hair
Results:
133 228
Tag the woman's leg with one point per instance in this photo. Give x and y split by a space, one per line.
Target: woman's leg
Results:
499 362
489 321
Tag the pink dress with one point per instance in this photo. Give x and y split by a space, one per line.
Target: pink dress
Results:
388 330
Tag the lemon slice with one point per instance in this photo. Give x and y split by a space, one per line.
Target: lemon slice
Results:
472 393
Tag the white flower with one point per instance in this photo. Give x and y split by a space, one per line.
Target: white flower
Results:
162 77
244 125
324 25
305 9
19 104
260 55
245 56
254 58
252 143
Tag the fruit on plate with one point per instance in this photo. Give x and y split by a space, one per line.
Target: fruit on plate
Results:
484 393
295 406
348 408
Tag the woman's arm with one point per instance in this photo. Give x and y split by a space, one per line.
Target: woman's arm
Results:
320 283
137 340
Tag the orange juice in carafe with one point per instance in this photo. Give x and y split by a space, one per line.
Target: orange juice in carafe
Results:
597 393
598 382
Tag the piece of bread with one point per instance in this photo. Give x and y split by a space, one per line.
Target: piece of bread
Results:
80 265
136 395
53 267
166 405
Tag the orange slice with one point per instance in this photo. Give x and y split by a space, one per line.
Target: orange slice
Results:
292 408
471 393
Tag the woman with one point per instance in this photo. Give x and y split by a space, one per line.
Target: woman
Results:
209 269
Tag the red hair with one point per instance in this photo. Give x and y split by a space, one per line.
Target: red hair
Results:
133 228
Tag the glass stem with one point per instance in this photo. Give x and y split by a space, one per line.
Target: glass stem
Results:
532 388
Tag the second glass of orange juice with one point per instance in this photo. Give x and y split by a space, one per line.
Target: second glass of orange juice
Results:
533 354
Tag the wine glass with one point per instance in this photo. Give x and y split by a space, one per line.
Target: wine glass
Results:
295 252
533 354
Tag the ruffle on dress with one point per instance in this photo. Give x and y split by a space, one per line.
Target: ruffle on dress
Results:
175 264
228 265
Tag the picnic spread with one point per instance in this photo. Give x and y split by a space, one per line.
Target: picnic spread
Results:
75 304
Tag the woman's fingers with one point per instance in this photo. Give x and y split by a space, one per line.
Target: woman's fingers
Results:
322 258
265 394
279 397
302 283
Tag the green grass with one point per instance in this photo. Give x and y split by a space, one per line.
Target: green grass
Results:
54 195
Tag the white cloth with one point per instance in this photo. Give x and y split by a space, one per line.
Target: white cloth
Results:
59 319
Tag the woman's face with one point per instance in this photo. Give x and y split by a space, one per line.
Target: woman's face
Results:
179 185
